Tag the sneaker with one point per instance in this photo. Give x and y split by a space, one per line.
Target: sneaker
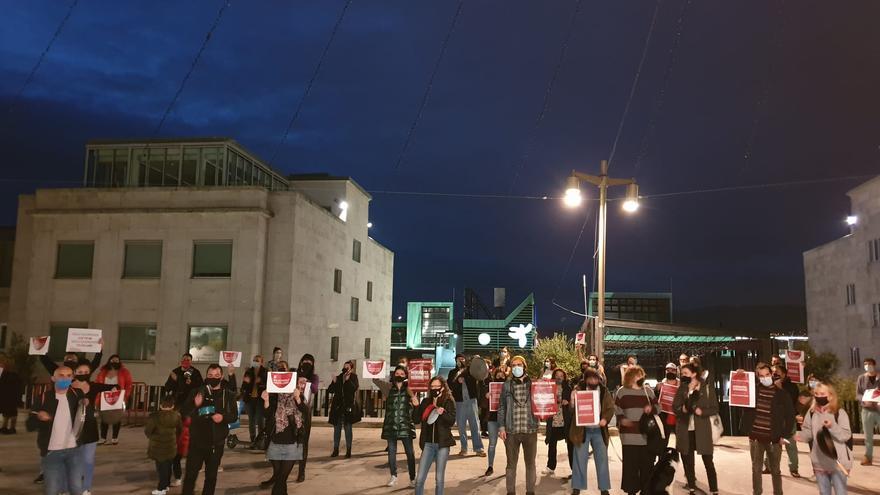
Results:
548 472
115 441
795 474
105 442
489 472
176 482
481 453
392 481
88 492
154 492
39 479
463 452
219 469
412 483
766 471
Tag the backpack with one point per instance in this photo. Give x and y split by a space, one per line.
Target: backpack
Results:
849 443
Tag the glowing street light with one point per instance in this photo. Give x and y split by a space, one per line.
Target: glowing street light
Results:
572 192
852 220
631 204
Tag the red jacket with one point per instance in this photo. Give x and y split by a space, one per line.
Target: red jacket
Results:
123 377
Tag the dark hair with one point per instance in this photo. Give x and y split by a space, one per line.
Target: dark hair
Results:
185 354
763 366
213 366
805 393
870 360
445 394
692 367
402 368
632 356
167 401
780 368
564 374
107 364
276 350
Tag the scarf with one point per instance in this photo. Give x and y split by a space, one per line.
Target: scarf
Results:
286 408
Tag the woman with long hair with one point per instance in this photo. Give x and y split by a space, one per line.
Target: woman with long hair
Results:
286 420
436 413
114 373
694 404
826 429
398 424
631 401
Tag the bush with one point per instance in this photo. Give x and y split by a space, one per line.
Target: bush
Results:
560 348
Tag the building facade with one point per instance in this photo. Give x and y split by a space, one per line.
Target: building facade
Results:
842 280
201 247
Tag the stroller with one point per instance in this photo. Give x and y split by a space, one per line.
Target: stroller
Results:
232 440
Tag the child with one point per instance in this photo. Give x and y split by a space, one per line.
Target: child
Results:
163 428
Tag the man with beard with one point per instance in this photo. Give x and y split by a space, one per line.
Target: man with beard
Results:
465 391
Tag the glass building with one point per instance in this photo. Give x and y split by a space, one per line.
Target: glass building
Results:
176 163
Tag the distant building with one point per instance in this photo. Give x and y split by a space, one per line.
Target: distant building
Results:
197 245
842 281
635 306
516 331
7 246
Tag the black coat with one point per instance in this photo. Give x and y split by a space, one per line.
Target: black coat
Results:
471 382
180 385
342 405
255 379
291 434
203 431
441 431
11 388
782 419
90 427
48 403
51 366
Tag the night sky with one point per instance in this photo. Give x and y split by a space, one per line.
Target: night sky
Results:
730 94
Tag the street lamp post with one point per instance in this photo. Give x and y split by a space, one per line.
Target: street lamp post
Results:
631 204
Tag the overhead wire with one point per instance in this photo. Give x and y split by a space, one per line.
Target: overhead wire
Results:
428 88
311 83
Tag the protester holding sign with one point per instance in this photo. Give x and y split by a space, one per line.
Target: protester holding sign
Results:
210 407
253 383
344 408
556 429
496 384
288 419
436 413
631 401
517 424
583 438
694 405
767 424
826 429
666 391
870 407
71 360
113 373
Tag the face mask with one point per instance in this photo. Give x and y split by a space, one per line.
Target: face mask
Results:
518 371
71 364
185 363
435 392
399 379
81 378
115 366
63 383
591 363
461 364
499 378
559 380
641 382
670 376
592 385
255 364
346 369
685 380
306 369
212 382
777 377
813 383
766 381
869 368
822 401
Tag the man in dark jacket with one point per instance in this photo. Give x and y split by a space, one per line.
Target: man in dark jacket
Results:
252 385
55 419
767 425
183 380
211 408
782 381
466 391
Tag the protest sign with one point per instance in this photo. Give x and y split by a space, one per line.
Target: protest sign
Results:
281 382
83 340
230 358
39 346
495 395
112 400
587 407
374 369
419 374
742 389
544 399
667 396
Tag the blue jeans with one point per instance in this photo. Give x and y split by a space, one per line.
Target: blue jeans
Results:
337 433
493 441
466 411
593 437
88 453
826 480
63 468
430 453
870 419
410 456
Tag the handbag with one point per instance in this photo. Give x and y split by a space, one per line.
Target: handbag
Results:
355 412
651 426
717 428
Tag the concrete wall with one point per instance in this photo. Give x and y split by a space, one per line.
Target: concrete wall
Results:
832 324
280 291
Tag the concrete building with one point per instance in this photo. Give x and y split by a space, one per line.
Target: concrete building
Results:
843 285
196 245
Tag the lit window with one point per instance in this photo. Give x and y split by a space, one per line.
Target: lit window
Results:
74 260
206 342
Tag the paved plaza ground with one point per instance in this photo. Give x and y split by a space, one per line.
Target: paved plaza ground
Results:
124 468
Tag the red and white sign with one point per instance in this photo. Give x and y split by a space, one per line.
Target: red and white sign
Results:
795 371
580 338
742 389
495 395
871 395
420 374
39 346
544 399
794 356
230 358
112 400
587 407
83 340
667 396
281 382
374 369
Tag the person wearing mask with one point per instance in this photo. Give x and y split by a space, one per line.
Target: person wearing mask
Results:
583 438
306 369
812 381
517 426
71 360
210 407
88 438
694 405
344 410
670 378
870 410
631 401
683 359
288 419
116 374
556 426
503 359
497 375
436 413
549 368
162 429
11 389
465 391
826 429
631 361
252 385
767 425
58 420
398 423
277 356
183 380
782 381
593 362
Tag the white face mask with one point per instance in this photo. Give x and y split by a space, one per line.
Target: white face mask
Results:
518 371
766 381
813 383
869 368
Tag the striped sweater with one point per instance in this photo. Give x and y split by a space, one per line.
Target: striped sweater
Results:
630 404
763 410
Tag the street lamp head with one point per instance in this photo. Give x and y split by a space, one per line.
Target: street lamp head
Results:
852 220
572 192
631 204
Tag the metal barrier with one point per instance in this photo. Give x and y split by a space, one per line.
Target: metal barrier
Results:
139 405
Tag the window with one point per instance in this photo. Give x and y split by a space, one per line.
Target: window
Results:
337 281
206 342
367 348
850 294
143 259
855 357
137 342
74 260
354 309
369 291
875 309
3 336
873 250
356 251
212 259
58 338
334 348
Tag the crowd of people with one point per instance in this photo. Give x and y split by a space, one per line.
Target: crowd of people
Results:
194 414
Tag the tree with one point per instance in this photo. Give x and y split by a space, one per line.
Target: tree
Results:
822 365
22 363
560 348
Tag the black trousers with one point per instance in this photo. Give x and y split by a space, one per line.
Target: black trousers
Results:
163 469
637 466
210 457
176 467
551 448
688 459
